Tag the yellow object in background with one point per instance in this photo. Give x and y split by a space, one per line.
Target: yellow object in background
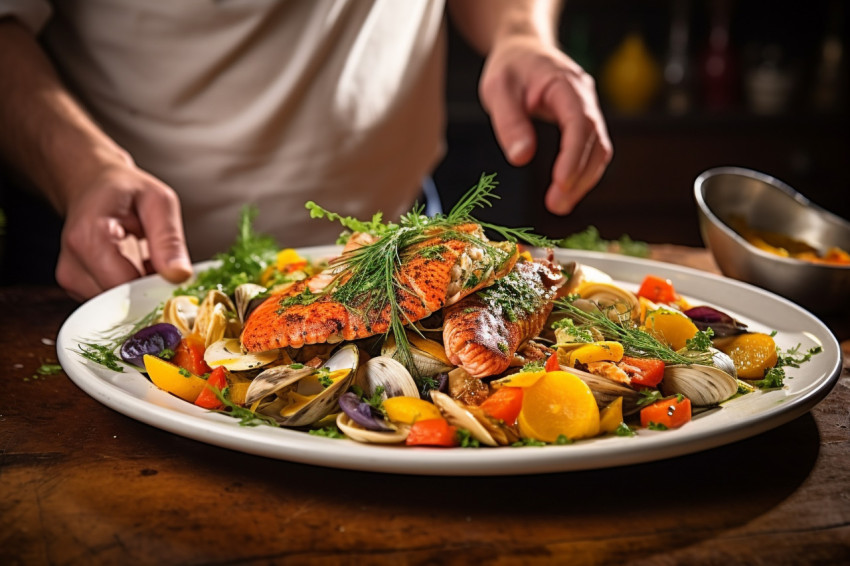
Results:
631 78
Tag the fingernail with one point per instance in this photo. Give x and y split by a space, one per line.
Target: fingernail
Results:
180 264
518 148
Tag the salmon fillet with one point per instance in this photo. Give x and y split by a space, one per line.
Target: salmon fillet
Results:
482 332
438 271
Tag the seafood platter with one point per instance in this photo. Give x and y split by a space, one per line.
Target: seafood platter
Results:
431 347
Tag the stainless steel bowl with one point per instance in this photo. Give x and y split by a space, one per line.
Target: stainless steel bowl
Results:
765 203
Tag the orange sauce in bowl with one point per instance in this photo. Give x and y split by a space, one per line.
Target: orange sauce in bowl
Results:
785 246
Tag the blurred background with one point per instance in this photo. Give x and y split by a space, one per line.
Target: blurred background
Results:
686 85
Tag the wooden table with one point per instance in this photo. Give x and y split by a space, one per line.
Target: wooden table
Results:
82 484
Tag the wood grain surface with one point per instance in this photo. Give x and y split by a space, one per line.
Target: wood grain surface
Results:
82 484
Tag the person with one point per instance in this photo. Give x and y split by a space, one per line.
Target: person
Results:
160 120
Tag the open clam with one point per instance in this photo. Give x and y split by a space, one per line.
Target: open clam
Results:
228 352
181 312
216 318
397 434
305 394
703 385
460 417
618 303
383 371
247 297
429 357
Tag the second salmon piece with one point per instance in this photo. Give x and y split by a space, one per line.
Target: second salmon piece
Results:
482 332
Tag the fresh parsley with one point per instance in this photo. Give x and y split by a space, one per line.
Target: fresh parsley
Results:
244 262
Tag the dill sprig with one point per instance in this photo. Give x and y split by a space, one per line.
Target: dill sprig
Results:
636 342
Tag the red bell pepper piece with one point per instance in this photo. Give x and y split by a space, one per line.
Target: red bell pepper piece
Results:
552 363
671 412
657 290
189 355
651 371
504 404
216 381
432 432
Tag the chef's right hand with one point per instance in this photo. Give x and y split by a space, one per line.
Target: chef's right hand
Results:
120 200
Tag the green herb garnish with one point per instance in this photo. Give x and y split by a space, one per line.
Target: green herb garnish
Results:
101 354
528 442
244 262
466 439
648 397
701 342
48 369
774 378
624 430
532 367
327 432
589 239
246 417
657 426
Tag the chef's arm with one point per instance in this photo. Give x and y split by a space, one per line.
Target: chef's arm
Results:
483 22
48 139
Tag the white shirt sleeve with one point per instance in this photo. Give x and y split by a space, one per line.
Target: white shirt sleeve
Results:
33 14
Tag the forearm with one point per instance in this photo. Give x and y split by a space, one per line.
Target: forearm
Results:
46 135
485 22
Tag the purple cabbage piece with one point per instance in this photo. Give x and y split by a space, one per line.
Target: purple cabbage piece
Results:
153 340
721 323
362 413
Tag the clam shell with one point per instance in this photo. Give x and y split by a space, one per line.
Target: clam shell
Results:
273 380
212 321
429 356
326 400
228 352
245 297
703 385
181 311
617 302
356 432
461 418
388 373
583 275
606 391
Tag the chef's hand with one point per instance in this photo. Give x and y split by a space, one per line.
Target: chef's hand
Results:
120 201
524 78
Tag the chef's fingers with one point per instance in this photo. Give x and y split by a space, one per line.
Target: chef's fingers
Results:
90 260
159 213
584 146
511 122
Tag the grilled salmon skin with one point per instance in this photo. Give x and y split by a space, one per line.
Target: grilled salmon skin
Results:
482 332
437 271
